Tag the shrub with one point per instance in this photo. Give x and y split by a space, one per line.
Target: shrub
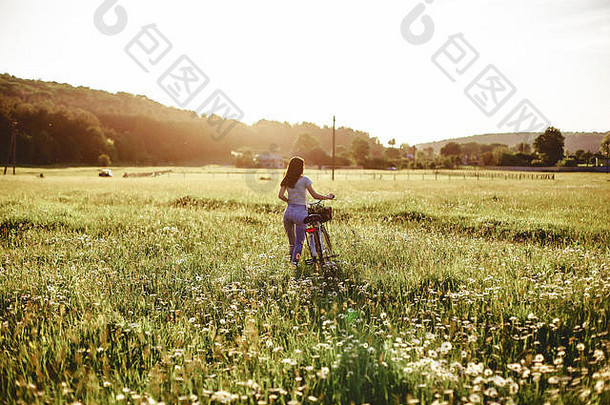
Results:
567 162
104 160
538 163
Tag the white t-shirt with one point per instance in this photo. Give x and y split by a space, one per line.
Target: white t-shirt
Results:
298 194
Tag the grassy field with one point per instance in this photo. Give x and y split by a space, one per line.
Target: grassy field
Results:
176 289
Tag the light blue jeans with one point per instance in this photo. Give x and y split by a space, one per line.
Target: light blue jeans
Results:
295 228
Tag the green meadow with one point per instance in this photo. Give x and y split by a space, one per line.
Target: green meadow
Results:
176 289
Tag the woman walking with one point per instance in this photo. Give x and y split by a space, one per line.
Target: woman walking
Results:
297 185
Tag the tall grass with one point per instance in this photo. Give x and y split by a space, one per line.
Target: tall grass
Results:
177 290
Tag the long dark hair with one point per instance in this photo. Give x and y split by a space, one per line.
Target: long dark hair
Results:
293 173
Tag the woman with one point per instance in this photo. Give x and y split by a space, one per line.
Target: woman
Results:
297 186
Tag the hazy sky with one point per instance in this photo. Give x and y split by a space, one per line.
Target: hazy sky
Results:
305 61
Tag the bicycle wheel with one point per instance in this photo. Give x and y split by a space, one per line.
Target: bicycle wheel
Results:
317 237
328 249
309 238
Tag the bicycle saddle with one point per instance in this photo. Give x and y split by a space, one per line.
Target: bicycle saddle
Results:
312 218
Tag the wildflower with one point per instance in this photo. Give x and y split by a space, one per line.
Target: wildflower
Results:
584 394
474 369
491 392
599 386
499 381
224 397
323 373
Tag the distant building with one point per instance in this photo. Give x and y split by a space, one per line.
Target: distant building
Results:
270 161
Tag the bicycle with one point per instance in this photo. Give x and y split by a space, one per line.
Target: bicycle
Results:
317 236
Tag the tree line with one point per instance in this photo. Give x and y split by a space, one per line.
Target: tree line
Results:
58 124
546 150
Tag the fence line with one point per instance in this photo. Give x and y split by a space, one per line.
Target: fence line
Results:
447 175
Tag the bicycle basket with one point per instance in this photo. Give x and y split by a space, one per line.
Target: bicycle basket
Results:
326 213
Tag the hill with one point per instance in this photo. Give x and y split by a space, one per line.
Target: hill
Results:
62 124
589 141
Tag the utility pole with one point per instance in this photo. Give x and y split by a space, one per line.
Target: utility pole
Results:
333 148
12 148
